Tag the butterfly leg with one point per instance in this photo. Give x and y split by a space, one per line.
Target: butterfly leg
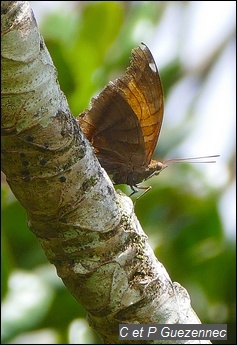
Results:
145 188
135 190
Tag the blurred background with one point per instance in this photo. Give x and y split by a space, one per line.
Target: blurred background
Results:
189 214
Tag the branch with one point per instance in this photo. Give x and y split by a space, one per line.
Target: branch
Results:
87 230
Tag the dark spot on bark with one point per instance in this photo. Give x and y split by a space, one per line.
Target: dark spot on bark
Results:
37 114
43 161
88 183
46 145
100 174
63 132
30 138
25 172
110 190
82 152
62 179
25 163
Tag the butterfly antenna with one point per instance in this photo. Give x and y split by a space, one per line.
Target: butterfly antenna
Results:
192 159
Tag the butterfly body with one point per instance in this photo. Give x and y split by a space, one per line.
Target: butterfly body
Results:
124 121
127 174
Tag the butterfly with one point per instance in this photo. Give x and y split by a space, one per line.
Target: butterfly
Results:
124 122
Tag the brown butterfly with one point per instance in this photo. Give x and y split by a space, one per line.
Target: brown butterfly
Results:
124 122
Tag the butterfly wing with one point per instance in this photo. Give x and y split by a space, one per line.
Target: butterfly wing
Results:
124 121
114 131
143 91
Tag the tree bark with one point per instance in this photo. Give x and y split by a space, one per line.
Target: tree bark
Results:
87 230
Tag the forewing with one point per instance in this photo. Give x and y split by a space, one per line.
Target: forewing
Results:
141 86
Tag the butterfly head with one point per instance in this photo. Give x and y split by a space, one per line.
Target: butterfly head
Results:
155 168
